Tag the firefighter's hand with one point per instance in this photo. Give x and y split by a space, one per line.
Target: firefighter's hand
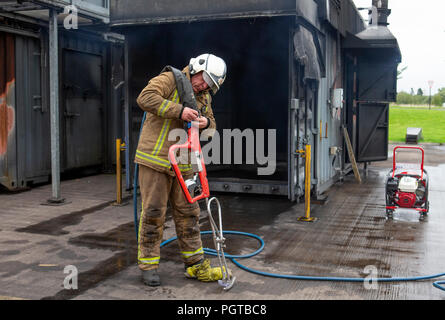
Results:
203 122
189 114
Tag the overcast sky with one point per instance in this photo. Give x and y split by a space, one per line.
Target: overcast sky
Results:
419 27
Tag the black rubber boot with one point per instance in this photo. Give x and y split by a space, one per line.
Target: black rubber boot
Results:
151 278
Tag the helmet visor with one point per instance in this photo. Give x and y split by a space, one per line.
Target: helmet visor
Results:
209 81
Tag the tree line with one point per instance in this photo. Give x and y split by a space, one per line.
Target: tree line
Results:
419 98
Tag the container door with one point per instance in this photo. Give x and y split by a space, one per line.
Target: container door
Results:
33 141
82 92
373 132
376 88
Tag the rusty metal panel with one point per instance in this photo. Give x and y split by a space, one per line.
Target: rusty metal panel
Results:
155 11
25 151
8 172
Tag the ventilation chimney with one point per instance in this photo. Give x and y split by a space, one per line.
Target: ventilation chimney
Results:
382 13
377 35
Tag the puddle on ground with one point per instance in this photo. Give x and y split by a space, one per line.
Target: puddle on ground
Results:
363 263
121 239
91 278
9 252
55 226
12 268
14 241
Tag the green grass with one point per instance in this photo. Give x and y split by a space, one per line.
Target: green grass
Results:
432 123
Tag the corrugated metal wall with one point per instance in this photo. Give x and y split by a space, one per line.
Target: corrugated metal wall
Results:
7 108
33 149
89 116
329 121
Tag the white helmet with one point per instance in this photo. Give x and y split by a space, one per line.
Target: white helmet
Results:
214 68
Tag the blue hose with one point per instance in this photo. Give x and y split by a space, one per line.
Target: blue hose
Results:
295 277
233 258
437 284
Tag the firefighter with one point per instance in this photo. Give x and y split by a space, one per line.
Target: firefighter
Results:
161 99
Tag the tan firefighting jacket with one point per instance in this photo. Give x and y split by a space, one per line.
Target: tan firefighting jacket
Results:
161 102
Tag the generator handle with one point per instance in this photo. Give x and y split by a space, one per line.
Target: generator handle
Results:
404 147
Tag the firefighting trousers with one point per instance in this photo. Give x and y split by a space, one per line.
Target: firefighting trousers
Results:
156 190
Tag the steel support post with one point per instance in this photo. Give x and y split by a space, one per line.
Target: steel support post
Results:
127 111
54 106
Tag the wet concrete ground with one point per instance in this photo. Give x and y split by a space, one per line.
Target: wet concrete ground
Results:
37 242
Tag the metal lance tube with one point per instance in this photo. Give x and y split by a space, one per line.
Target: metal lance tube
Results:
227 280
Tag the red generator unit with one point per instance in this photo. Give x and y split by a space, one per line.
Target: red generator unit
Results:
407 186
